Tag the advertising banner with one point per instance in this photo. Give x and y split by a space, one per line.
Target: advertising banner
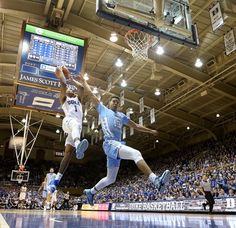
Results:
38 99
194 205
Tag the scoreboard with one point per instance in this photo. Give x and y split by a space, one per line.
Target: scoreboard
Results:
41 51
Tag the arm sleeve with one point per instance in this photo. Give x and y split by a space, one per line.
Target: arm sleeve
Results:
125 119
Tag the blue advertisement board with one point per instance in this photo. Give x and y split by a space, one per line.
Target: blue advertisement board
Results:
37 98
43 50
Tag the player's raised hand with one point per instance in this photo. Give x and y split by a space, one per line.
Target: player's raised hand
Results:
66 73
59 74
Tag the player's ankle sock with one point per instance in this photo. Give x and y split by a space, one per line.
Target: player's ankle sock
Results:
77 142
58 176
93 190
152 177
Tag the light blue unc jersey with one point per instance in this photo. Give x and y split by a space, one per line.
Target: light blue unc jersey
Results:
112 122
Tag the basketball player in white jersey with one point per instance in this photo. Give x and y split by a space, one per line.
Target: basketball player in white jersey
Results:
71 124
22 197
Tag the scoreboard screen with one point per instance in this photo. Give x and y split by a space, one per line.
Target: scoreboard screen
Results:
43 50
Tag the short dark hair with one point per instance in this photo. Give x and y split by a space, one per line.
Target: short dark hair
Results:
114 96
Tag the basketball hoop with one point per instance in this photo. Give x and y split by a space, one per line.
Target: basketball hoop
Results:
140 42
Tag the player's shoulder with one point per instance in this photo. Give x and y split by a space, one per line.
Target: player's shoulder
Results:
121 114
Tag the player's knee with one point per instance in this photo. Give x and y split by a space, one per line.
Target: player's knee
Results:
111 180
137 156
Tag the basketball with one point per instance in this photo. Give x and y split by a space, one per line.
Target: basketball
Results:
66 72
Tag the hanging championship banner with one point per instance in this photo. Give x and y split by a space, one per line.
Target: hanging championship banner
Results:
141 105
216 16
229 41
140 120
96 138
88 127
124 133
152 115
122 98
93 124
109 83
100 134
131 131
82 134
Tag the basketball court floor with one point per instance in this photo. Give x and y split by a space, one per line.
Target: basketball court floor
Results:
70 219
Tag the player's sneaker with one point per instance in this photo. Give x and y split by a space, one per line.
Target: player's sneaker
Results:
204 206
89 196
53 185
81 148
162 180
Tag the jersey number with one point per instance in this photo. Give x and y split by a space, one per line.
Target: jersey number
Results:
76 109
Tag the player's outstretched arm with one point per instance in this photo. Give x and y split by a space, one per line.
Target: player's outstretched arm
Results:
88 90
79 86
141 128
59 74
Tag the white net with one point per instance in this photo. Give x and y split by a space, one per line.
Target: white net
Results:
140 42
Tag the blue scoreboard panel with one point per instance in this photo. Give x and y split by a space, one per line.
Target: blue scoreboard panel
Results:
42 51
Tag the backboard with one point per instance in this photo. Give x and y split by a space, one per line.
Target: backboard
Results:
19 176
169 19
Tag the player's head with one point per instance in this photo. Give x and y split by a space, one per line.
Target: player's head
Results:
113 103
51 170
205 177
70 92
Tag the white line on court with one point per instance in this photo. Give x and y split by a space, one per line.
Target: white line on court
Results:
3 223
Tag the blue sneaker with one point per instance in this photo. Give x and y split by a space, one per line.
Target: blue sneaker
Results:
161 181
52 185
89 196
81 148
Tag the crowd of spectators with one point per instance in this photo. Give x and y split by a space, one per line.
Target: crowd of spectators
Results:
217 159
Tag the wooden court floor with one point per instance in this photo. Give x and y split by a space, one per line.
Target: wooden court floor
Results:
94 219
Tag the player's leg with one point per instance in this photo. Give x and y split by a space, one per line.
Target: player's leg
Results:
112 171
69 150
74 128
128 153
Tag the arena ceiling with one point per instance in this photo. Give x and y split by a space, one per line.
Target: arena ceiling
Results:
190 96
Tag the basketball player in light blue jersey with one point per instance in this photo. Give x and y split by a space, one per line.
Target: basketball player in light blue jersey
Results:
71 124
112 122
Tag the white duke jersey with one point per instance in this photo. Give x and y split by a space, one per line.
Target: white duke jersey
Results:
73 108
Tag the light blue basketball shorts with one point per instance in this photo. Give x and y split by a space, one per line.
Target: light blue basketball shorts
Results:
111 149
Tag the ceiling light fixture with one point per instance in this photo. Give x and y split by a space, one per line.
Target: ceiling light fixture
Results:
86 77
157 92
198 63
123 83
95 90
119 63
160 50
113 37
58 115
57 131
